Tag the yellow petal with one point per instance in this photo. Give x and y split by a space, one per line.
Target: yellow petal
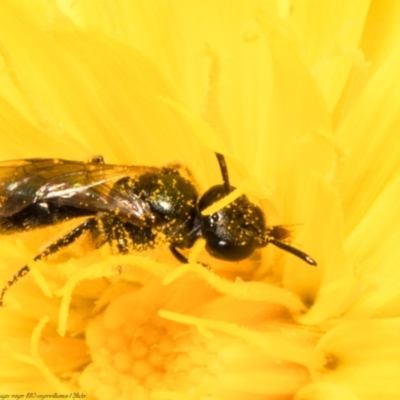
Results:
381 33
363 358
329 34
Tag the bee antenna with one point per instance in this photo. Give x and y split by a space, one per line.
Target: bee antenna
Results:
224 172
296 252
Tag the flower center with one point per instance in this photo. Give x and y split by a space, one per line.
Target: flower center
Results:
136 351
170 342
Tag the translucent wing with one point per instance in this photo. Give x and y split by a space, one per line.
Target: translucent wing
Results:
71 183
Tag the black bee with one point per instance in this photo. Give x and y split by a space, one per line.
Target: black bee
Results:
130 207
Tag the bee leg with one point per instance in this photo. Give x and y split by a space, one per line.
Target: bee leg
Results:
17 276
178 255
97 159
90 224
118 236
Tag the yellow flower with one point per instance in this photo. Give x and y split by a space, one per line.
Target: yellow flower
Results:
301 98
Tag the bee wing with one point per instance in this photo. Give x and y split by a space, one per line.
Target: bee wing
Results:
72 183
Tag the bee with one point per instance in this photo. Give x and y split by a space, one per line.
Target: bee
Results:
131 208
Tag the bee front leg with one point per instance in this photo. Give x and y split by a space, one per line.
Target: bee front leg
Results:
99 159
178 255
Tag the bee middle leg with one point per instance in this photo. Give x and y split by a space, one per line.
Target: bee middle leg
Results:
123 236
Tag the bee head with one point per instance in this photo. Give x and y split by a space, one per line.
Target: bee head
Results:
236 230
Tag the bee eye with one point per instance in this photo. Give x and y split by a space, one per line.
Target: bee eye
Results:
227 248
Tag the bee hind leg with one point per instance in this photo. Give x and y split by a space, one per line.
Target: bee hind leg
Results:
17 276
90 224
